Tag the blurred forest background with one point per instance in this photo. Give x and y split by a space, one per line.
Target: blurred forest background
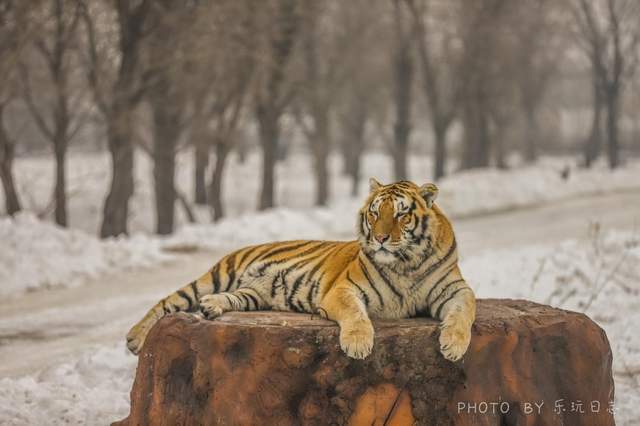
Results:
467 83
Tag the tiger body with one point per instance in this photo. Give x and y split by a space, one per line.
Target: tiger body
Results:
403 264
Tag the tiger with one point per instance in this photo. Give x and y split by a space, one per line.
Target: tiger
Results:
404 263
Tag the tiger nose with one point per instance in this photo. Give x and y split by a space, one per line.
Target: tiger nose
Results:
382 238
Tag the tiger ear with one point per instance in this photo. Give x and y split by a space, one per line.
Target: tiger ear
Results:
374 185
429 192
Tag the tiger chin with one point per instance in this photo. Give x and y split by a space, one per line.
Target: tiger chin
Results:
403 264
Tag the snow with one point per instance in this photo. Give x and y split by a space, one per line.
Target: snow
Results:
92 390
37 254
590 275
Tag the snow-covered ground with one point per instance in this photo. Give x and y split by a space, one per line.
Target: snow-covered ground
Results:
597 275
37 254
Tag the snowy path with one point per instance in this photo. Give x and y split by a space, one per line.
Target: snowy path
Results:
45 328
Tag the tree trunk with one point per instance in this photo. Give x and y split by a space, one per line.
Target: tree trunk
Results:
321 145
356 145
201 160
402 127
269 133
532 134
119 135
592 145
613 149
7 148
476 133
166 130
500 151
440 155
215 188
60 188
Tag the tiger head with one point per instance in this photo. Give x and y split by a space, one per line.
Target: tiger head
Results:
397 222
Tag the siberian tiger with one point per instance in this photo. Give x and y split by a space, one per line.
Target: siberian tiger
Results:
403 264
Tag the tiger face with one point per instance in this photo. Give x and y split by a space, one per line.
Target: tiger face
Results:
397 221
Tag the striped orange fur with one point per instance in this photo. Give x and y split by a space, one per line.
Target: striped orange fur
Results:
404 263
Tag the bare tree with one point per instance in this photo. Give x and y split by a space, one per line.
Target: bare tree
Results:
273 93
167 97
55 44
15 32
117 93
221 57
403 73
439 66
324 45
537 47
480 75
609 34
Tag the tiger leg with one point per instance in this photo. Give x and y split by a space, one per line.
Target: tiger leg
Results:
456 311
341 304
243 299
187 299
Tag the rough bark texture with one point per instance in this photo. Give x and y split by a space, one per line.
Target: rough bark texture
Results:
7 153
281 368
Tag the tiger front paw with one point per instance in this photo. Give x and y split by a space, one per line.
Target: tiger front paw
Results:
212 306
356 339
454 340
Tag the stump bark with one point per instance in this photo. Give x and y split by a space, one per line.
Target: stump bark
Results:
527 364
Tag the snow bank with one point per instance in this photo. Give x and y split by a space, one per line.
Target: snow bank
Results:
36 254
92 390
598 275
486 190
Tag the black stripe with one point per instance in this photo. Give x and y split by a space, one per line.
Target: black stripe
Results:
386 279
254 300
194 287
365 297
231 271
266 250
426 299
246 254
164 307
294 289
448 300
310 298
307 252
417 283
436 265
444 290
245 299
273 284
287 248
229 300
185 296
366 275
266 265
215 278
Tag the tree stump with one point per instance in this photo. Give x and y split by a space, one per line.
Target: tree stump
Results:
527 364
